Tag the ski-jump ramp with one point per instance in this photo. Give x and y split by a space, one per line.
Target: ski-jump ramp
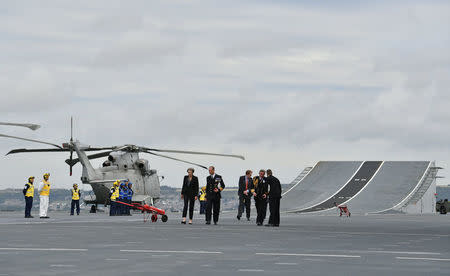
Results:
365 187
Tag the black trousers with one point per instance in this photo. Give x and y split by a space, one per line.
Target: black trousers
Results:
113 208
261 209
72 206
28 205
212 205
188 202
244 202
274 205
202 207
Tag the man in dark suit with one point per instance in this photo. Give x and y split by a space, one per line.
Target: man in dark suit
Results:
274 199
261 193
214 185
245 192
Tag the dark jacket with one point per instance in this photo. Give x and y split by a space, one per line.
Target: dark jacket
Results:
211 183
274 187
261 187
242 186
191 190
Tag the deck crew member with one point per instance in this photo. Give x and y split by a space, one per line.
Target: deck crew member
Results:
28 192
113 196
245 192
202 200
129 196
189 193
44 193
76 194
274 199
260 194
122 192
214 187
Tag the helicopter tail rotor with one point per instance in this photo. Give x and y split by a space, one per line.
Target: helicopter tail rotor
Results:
71 148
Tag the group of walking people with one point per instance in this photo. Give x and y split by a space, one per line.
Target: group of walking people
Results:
264 190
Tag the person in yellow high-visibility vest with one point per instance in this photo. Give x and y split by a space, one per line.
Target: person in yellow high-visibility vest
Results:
202 199
113 196
44 193
76 194
28 192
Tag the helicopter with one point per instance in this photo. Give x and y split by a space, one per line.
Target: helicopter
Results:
122 163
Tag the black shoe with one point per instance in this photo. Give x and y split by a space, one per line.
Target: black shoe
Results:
276 225
71 214
42 217
269 225
259 224
238 218
215 223
208 222
46 217
79 214
248 219
183 222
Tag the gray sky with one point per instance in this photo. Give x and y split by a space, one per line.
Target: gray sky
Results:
285 83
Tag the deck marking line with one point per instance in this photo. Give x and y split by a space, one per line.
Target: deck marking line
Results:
170 251
41 249
422 259
309 255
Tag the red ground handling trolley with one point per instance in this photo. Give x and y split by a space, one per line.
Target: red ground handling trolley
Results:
343 209
147 211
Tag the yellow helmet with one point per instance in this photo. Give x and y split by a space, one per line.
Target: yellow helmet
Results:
46 174
204 188
31 177
116 183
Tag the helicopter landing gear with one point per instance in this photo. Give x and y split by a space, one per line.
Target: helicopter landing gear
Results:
164 218
154 218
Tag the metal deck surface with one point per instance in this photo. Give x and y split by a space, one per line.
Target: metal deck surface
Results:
95 244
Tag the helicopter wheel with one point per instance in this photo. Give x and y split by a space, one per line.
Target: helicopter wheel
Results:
154 218
164 218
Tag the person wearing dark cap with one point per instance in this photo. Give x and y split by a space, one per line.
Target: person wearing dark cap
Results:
28 192
189 192
274 199
214 187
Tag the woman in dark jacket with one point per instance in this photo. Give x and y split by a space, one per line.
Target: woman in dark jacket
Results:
189 193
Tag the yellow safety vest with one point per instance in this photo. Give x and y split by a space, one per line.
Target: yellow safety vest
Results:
46 189
115 194
202 196
75 194
30 191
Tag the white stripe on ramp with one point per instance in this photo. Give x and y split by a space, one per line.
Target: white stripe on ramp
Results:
309 255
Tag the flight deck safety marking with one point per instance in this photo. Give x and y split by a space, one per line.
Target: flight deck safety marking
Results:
41 249
170 251
309 255
422 259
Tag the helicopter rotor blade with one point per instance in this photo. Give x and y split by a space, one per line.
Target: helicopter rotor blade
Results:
35 150
72 162
195 152
30 126
30 140
176 159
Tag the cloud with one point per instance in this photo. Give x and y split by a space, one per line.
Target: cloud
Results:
286 83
